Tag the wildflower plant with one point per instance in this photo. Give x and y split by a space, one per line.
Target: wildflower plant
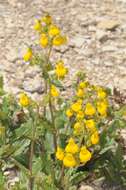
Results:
48 141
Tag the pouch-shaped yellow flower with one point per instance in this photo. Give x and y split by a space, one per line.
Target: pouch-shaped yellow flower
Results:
44 40
90 124
53 30
72 147
80 115
60 70
85 154
69 113
90 109
76 107
69 160
28 55
54 91
95 138
102 108
80 92
101 93
24 100
78 128
59 153
47 19
37 25
83 84
59 40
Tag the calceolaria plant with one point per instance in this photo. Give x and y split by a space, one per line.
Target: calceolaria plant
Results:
56 143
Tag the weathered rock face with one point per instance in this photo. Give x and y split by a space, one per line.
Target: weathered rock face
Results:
97 44
108 24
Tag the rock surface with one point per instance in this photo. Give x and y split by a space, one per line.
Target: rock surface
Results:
86 187
96 33
108 24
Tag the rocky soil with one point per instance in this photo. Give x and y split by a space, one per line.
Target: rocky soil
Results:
96 30
97 40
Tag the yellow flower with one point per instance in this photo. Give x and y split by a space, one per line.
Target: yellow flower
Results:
37 25
24 100
76 107
95 138
47 19
54 30
44 40
28 55
83 85
59 153
77 128
80 101
72 147
89 109
102 108
59 40
85 154
69 113
80 93
101 93
2 131
69 160
80 115
60 70
90 124
54 91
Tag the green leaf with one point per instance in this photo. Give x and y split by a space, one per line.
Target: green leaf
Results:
20 166
37 165
21 146
106 149
58 83
25 130
49 146
60 120
78 177
2 180
121 112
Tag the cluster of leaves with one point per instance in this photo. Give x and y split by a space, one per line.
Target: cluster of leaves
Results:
56 143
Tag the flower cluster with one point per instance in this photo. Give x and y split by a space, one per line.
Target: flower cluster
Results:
90 106
73 154
49 36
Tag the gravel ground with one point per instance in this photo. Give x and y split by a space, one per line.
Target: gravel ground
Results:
97 40
96 30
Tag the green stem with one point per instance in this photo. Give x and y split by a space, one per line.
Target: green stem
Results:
52 118
49 53
46 84
46 89
31 178
53 123
61 178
